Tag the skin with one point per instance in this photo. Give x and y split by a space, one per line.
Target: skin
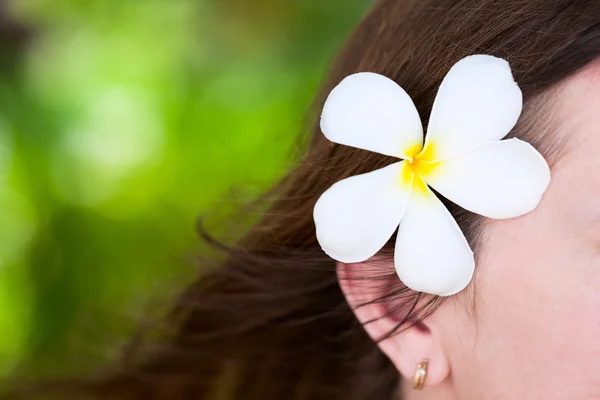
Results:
535 329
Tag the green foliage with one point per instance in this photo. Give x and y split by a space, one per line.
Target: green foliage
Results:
121 121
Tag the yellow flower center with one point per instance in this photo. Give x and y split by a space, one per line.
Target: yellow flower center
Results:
419 163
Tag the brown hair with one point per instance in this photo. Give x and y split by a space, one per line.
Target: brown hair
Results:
270 322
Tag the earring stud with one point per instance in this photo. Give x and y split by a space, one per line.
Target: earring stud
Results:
420 375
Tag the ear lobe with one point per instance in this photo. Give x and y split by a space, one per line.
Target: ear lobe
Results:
369 292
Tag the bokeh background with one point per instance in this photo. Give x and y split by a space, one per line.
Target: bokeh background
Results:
121 122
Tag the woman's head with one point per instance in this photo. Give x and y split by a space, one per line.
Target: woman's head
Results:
280 320
534 300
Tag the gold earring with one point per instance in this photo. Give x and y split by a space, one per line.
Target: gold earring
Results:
420 375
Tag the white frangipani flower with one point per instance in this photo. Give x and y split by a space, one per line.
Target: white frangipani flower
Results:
463 158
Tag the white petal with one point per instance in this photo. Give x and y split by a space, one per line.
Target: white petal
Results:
432 254
358 215
499 180
478 101
371 112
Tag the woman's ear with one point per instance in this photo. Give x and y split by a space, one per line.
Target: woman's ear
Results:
379 311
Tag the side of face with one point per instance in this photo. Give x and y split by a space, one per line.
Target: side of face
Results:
535 331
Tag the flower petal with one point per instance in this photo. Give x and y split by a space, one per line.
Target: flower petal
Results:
499 180
357 216
432 254
371 112
478 101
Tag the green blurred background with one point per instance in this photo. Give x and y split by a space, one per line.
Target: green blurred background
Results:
121 122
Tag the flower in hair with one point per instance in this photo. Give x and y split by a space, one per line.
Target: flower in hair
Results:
462 157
